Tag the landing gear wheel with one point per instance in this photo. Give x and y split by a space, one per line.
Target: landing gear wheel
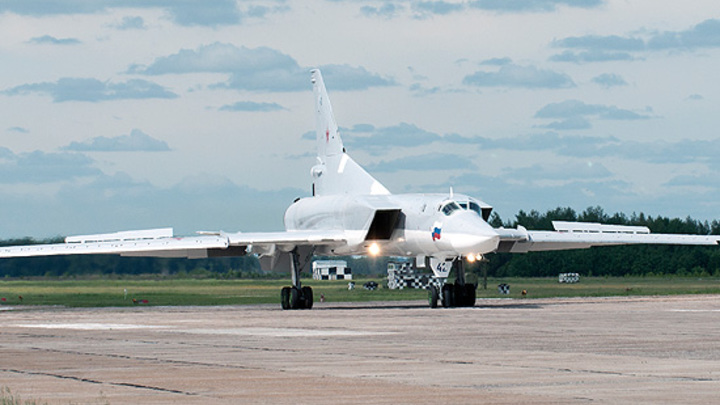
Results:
285 298
470 295
307 298
459 291
433 296
295 298
448 295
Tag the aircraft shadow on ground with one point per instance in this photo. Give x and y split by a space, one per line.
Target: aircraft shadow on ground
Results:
422 305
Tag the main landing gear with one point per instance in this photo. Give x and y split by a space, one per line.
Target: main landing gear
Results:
297 296
458 294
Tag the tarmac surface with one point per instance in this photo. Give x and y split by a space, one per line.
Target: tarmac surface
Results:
546 351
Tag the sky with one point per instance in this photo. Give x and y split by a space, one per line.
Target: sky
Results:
136 114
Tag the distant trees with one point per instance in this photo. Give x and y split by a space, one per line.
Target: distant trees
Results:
613 260
84 265
604 261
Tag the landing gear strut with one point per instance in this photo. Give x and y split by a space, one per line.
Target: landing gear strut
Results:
297 296
458 294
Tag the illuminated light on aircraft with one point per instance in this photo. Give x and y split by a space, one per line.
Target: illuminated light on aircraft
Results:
374 249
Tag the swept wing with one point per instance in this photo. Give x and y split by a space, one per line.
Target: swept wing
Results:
162 243
583 235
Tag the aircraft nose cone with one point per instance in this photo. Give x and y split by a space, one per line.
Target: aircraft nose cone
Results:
472 235
465 244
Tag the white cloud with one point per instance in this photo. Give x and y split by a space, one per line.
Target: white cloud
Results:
183 12
134 142
93 90
50 40
575 114
436 7
572 123
520 76
215 202
131 23
608 80
569 171
604 43
386 10
703 35
251 106
219 58
420 163
41 167
598 48
497 61
258 69
19 130
592 55
379 140
509 6
424 9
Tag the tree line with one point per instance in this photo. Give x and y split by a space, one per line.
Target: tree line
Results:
636 260
603 261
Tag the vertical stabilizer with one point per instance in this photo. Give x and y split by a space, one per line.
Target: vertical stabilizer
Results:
335 172
328 138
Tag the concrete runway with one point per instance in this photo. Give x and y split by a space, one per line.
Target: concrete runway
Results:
551 351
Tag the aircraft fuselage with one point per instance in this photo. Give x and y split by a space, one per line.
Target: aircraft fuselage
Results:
406 225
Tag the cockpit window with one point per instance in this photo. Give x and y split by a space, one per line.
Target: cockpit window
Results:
450 207
470 205
475 207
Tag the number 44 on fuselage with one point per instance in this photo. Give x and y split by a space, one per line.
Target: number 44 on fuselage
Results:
351 213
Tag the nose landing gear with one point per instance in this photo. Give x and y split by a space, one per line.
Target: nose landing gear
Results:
458 294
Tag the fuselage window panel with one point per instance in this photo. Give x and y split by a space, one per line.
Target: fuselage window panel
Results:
450 207
475 207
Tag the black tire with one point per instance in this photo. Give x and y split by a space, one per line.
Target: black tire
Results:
433 296
307 295
295 301
459 291
470 295
448 296
285 298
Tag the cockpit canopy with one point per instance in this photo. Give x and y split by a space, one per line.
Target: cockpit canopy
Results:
448 207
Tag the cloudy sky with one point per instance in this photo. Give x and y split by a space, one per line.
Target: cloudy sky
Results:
131 114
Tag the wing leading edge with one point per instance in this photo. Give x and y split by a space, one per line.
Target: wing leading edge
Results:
152 242
581 235
162 243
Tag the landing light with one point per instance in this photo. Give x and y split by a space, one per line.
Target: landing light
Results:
374 249
471 258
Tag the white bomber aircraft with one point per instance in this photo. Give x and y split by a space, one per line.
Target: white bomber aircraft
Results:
351 213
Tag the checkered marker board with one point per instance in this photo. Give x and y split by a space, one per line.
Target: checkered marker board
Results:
403 275
399 283
568 278
418 282
504 289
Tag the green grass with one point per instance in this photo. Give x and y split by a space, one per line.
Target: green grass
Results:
8 398
605 286
102 293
